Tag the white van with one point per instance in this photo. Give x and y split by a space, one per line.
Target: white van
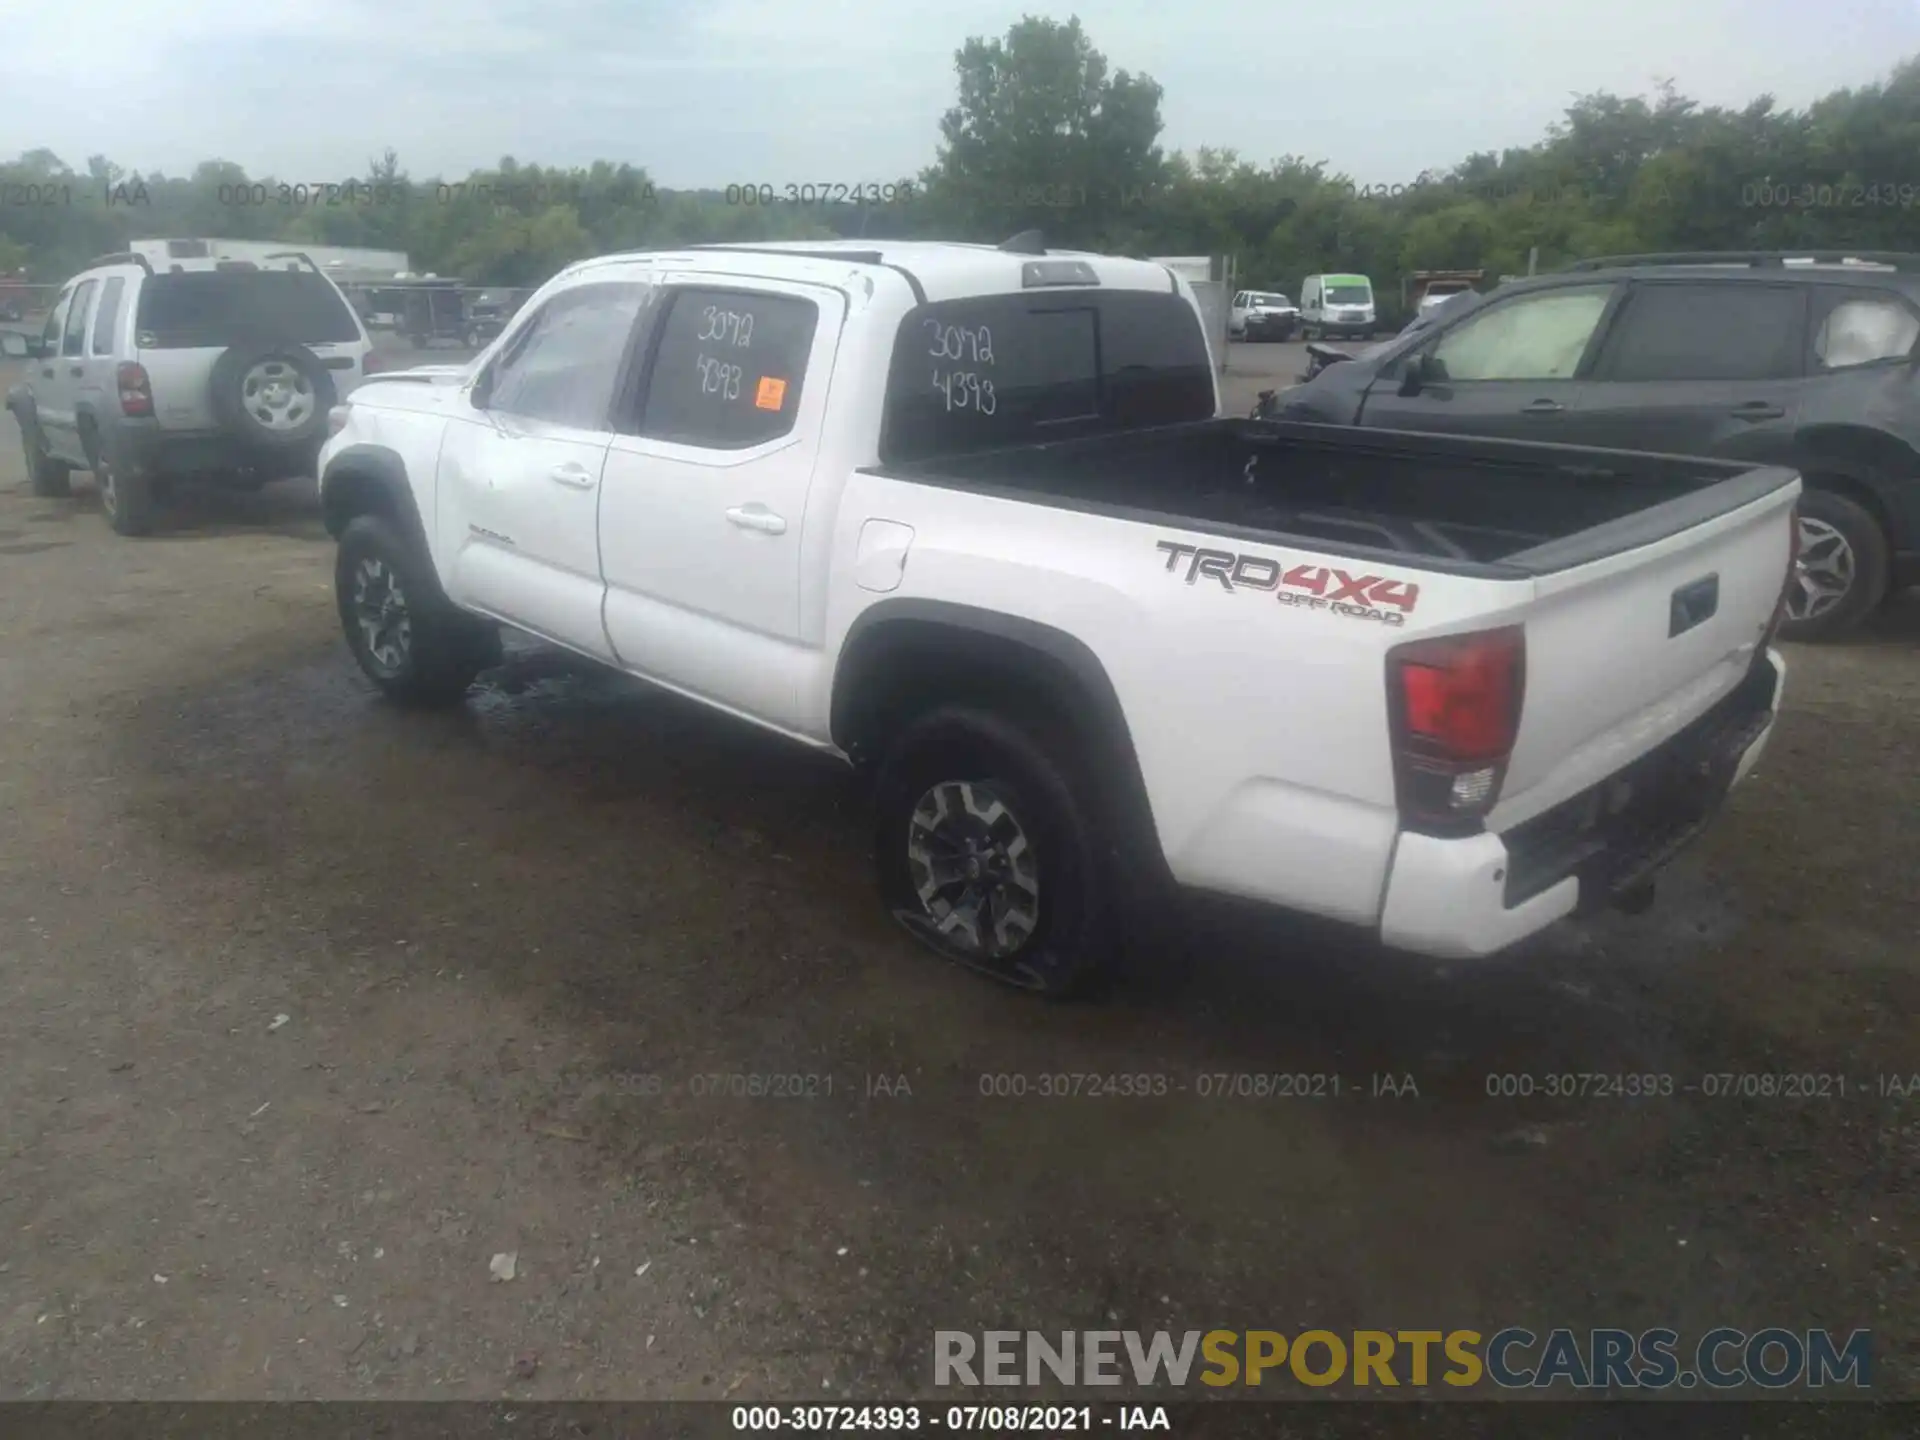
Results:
1338 305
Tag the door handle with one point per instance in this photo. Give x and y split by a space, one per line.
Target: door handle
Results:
76 371
572 473
1542 407
1758 410
757 517
47 371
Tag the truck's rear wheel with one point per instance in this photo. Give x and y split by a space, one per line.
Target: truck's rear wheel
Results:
986 853
406 636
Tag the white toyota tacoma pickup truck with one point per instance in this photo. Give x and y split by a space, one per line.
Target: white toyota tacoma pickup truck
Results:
967 517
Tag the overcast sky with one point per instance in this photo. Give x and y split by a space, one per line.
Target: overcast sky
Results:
713 92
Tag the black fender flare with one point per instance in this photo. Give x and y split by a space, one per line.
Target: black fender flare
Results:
370 480
873 689
1875 470
21 405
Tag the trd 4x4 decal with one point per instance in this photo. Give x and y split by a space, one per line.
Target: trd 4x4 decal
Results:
1313 587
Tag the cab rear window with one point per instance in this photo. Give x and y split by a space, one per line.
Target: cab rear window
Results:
970 375
196 308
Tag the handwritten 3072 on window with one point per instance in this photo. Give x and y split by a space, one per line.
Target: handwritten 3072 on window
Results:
732 329
963 364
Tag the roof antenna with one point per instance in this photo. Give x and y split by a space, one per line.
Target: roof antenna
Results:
1027 242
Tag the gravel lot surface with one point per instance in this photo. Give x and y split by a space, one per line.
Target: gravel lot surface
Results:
309 1009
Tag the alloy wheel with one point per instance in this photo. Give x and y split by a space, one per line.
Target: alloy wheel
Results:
278 396
380 610
974 869
1825 573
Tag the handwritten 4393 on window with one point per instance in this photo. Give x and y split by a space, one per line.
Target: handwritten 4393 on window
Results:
963 365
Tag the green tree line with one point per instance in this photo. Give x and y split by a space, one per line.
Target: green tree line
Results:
1044 135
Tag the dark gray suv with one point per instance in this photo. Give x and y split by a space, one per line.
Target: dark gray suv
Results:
1803 359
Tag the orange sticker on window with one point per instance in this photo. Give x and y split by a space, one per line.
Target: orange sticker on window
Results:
771 394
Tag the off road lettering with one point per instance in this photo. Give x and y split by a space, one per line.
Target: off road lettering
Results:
1314 587
1397 593
1308 577
1352 589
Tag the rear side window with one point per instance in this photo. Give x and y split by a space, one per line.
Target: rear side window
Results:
727 368
205 308
56 322
1859 329
1728 331
76 333
970 375
105 314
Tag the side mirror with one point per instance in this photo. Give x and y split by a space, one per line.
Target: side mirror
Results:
15 346
1414 375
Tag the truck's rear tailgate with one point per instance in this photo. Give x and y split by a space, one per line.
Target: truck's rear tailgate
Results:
1624 650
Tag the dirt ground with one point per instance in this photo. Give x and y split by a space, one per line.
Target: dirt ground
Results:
310 1009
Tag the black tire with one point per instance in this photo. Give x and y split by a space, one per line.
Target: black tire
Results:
1068 947
429 652
46 476
1830 523
128 501
272 396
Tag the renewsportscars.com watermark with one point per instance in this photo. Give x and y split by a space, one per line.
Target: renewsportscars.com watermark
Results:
1510 1359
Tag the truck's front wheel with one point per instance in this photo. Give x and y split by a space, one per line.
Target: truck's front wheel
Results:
405 634
986 853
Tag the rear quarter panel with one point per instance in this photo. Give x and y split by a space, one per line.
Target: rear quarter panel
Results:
1260 726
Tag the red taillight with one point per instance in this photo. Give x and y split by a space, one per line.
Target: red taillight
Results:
136 391
1455 710
372 364
1788 585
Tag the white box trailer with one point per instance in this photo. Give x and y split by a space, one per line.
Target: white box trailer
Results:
343 262
1211 277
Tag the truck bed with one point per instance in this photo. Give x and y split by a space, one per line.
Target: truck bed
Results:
1457 504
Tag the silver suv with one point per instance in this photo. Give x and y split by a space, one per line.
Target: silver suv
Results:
214 370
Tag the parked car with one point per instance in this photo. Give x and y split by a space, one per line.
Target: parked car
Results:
14 296
1808 360
1437 295
487 316
1429 289
966 519
1262 315
215 370
1337 306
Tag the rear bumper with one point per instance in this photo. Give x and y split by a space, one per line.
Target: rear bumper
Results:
144 449
1464 898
